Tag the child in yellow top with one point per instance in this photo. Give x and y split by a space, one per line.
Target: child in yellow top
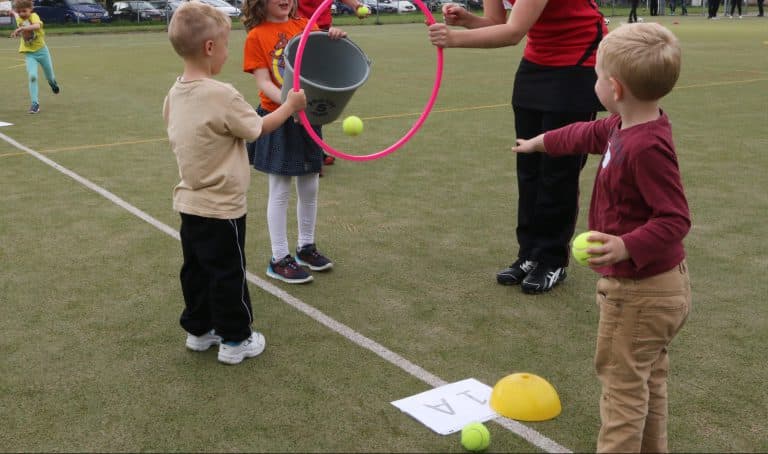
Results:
30 28
208 123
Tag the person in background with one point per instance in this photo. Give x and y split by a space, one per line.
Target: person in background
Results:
553 87
29 28
683 8
713 6
735 4
633 11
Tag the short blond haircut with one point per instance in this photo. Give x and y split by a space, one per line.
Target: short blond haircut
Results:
22 4
194 23
645 57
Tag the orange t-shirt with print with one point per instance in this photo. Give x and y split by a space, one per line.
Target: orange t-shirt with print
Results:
264 47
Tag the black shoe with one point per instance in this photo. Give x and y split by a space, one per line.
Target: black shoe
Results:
542 278
54 87
516 272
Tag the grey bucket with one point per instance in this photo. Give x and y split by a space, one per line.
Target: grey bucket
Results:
331 71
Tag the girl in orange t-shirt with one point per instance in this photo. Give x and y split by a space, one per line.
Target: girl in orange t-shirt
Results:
288 151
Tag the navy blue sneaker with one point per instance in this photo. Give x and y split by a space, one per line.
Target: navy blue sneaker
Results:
34 108
308 256
54 87
287 270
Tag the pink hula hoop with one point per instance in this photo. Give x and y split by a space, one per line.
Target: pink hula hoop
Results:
380 154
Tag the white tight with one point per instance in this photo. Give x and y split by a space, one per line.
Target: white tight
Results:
277 211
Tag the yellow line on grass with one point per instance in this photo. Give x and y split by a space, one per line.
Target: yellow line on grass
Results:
85 147
379 117
715 84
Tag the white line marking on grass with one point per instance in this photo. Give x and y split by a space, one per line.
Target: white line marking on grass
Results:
525 432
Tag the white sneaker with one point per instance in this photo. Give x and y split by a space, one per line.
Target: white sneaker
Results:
235 354
204 342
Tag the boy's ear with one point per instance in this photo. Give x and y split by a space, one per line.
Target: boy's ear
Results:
208 47
618 89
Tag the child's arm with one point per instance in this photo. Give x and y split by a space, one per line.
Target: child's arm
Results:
265 84
524 14
25 28
294 102
530 145
575 138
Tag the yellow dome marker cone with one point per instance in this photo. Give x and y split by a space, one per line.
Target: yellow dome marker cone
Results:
525 397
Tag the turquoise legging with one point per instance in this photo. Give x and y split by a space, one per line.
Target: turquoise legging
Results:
43 58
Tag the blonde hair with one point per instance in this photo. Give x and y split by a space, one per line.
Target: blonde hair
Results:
255 12
22 4
645 57
194 23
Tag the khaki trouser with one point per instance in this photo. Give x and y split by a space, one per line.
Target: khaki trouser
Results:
638 320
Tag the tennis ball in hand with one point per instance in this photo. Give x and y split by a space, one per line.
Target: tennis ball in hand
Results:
580 246
352 126
363 11
475 437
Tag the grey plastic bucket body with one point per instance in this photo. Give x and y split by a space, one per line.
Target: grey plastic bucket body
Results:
331 71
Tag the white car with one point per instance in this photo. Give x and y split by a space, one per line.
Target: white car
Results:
403 6
224 7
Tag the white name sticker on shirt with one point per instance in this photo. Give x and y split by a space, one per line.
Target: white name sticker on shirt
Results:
607 157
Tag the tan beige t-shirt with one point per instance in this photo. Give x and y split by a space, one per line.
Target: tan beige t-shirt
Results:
208 123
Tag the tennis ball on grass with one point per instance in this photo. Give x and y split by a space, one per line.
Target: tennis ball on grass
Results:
352 125
475 437
363 11
580 246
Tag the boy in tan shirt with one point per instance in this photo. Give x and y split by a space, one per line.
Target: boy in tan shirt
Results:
208 123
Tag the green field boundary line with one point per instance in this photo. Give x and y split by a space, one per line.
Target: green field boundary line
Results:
528 434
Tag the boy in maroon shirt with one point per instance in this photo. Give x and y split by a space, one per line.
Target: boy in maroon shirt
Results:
640 214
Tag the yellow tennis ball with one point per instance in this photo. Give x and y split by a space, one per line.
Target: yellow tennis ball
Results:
352 126
475 437
580 246
363 11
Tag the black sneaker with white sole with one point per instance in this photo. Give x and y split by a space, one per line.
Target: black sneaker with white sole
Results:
516 272
543 278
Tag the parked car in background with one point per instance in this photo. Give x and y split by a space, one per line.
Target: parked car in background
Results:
136 10
403 6
338 8
224 7
70 11
168 7
6 16
375 7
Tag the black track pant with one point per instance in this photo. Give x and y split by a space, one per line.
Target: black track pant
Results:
735 4
714 5
548 190
633 11
213 277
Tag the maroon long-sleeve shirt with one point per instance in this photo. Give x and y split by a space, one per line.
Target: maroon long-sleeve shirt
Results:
638 194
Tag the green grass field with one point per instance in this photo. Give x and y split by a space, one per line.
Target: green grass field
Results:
93 357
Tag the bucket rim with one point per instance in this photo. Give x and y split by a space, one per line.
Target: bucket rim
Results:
297 38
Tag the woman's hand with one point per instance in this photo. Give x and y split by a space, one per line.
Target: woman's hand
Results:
440 35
